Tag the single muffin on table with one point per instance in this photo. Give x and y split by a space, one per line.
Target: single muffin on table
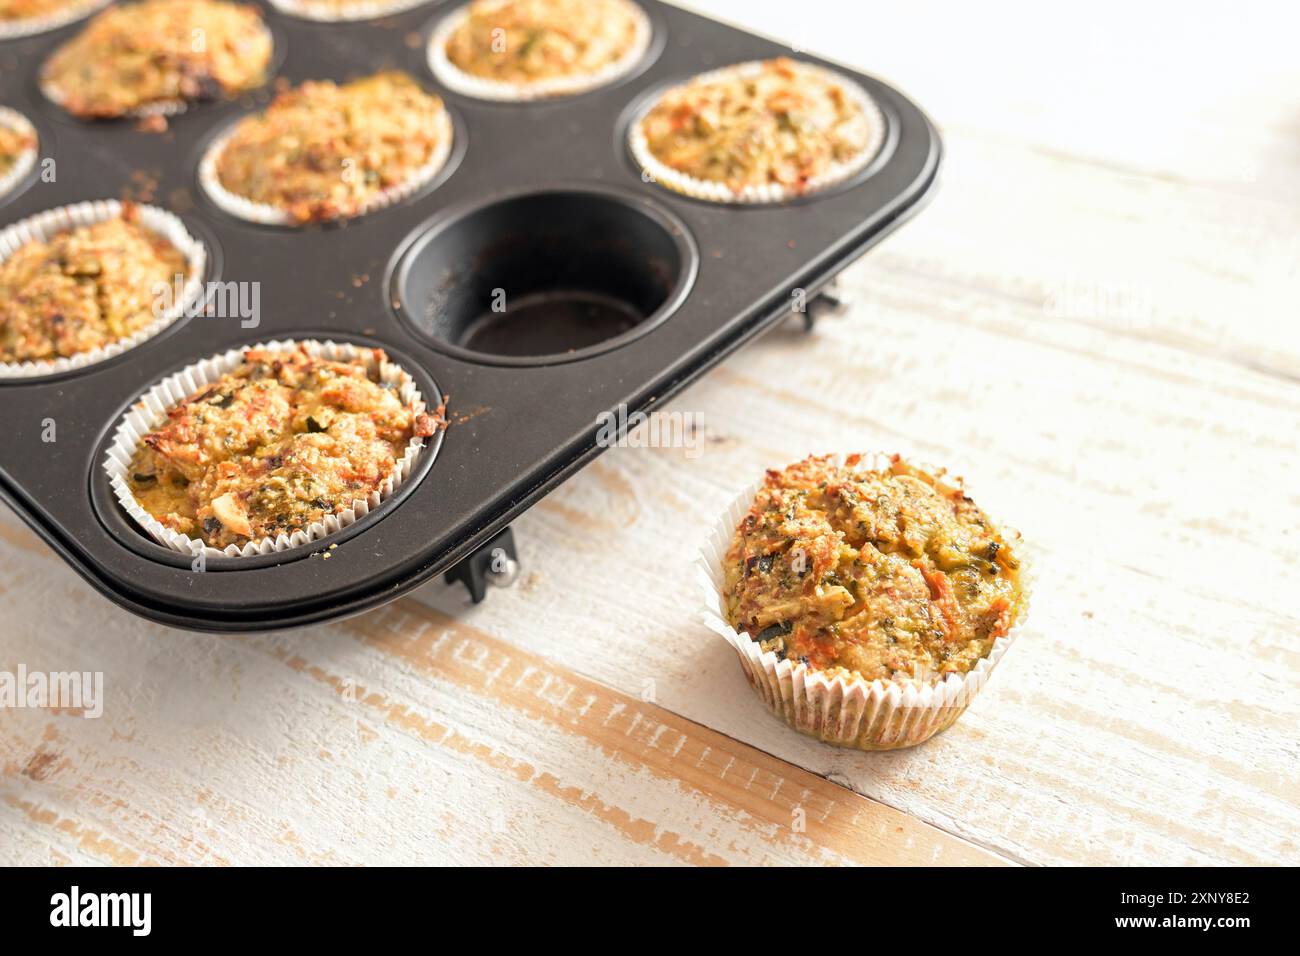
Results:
524 48
863 597
770 129
281 441
158 55
83 288
326 151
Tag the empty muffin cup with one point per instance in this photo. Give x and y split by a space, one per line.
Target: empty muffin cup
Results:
545 276
546 87
46 225
847 711
151 411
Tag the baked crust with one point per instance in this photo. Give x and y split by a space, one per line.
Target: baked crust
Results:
84 288
155 53
524 41
785 124
279 442
892 574
11 10
13 144
321 151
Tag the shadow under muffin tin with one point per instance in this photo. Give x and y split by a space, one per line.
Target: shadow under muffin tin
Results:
618 292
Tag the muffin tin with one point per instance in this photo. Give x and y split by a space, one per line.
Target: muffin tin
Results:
641 291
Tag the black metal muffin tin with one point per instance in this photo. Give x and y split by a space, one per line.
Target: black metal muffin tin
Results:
547 188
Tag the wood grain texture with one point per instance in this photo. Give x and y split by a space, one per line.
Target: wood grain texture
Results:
1095 322
403 735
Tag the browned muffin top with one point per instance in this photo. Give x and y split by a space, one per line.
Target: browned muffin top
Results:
138 55
84 288
890 574
272 446
323 150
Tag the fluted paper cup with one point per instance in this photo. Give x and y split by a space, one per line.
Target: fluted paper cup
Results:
344 12
151 409
844 711
44 226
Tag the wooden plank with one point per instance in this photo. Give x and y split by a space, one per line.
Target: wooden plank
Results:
1094 320
432 742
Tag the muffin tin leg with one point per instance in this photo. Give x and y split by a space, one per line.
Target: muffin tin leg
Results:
496 563
829 300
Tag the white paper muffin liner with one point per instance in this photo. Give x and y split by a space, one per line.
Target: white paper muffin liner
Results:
846 712
13 120
55 95
244 208
43 226
13 29
758 193
344 12
151 409
453 77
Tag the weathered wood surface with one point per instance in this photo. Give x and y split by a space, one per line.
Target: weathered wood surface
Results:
1097 321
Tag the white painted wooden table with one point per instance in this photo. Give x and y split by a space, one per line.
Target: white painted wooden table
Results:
1097 319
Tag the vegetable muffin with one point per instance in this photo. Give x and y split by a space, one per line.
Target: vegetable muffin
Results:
335 10
14 10
84 288
14 143
892 574
526 41
279 442
159 53
324 151
777 122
